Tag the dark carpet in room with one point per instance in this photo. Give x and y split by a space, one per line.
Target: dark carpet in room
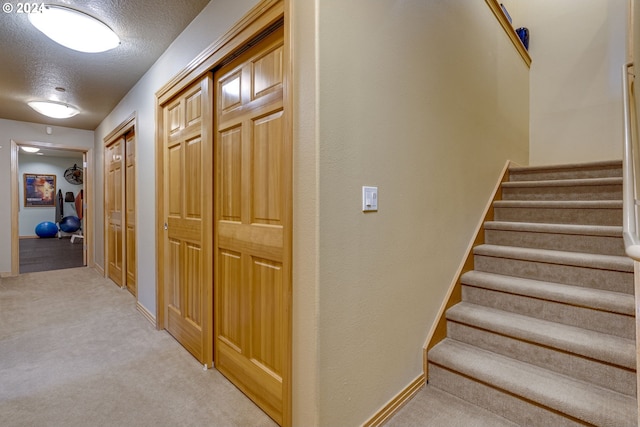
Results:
49 254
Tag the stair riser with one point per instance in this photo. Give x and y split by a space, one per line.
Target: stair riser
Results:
586 318
604 245
499 402
609 171
597 192
560 216
616 281
585 369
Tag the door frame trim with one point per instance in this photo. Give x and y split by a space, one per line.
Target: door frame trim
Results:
88 216
119 131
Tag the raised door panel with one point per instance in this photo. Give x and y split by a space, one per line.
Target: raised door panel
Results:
267 72
193 178
230 153
172 272
174 119
267 169
267 316
229 276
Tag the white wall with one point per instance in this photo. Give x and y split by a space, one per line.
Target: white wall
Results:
30 217
214 20
577 48
426 100
24 132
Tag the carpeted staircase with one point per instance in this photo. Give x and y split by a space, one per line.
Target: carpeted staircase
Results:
545 332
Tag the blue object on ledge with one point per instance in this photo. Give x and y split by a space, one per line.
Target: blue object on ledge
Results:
523 33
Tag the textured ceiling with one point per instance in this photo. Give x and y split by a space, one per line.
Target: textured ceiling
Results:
32 65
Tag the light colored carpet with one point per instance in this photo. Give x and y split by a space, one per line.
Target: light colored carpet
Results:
433 407
74 351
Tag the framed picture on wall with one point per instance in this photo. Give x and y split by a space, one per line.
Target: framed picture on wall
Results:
39 190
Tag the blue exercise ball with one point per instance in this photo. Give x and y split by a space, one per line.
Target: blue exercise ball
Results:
46 229
69 224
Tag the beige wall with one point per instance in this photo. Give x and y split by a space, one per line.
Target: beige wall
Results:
578 48
425 100
23 132
306 370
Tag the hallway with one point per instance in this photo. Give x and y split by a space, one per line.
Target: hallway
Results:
74 351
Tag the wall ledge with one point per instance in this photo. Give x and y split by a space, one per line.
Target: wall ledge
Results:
508 28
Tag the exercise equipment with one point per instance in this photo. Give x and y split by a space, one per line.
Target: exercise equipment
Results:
73 175
70 224
46 229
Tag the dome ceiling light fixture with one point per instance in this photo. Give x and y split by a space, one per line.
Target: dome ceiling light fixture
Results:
74 29
30 149
55 110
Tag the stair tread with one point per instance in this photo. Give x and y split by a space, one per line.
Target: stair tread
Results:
614 302
603 163
560 204
595 345
573 182
575 398
578 259
574 229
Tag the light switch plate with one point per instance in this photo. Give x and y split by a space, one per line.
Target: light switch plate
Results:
369 199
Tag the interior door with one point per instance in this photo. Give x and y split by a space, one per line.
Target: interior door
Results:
114 208
253 227
188 218
130 206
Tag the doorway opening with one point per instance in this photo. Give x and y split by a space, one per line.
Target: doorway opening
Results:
49 193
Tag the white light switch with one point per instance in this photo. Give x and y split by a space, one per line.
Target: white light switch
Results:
369 199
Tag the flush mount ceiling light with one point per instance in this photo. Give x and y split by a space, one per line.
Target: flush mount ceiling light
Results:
74 29
30 149
55 110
